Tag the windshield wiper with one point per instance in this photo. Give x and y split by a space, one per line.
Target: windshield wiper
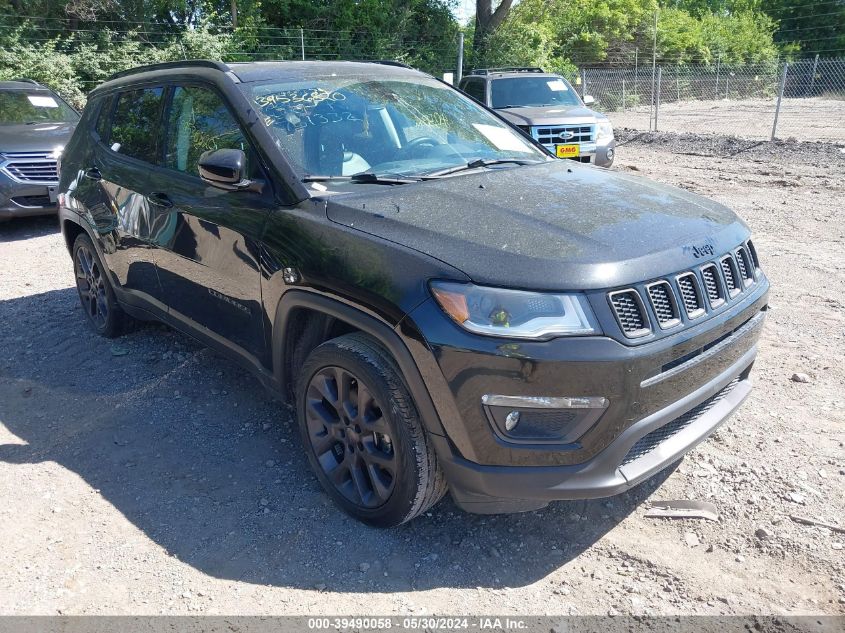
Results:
367 177
483 162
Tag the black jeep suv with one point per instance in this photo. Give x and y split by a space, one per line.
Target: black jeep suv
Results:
445 304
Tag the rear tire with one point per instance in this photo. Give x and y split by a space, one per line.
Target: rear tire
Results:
362 433
96 295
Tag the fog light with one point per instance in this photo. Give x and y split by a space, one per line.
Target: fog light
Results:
610 153
542 419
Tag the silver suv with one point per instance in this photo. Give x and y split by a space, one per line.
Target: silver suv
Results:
547 107
35 125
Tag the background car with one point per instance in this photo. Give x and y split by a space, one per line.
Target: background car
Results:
35 124
547 107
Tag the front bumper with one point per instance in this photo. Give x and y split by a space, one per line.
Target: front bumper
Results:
18 200
600 153
664 399
629 460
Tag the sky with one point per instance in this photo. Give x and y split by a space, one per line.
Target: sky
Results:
464 10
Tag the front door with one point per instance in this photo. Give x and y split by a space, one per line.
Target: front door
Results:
113 188
206 240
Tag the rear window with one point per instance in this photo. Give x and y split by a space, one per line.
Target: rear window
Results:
24 107
475 89
135 124
103 118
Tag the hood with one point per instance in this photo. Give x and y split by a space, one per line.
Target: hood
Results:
550 115
553 226
34 138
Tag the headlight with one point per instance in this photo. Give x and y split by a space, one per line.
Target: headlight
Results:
604 130
515 313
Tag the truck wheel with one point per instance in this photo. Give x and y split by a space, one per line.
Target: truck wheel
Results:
362 433
95 292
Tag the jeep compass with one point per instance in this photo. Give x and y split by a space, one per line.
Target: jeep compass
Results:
446 306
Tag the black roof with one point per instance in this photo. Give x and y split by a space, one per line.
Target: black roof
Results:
21 84
258 71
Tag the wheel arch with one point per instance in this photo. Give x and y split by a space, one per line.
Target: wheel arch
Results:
306 319
71 230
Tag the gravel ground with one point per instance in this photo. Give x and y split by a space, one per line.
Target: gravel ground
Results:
148 475
813 119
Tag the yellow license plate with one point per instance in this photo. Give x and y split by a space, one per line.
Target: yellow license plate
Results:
568 151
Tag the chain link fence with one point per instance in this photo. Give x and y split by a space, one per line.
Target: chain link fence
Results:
804 100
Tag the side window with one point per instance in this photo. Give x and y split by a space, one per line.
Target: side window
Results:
197 122
102 126
475 89
135 124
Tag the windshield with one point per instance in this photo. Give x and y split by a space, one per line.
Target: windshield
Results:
405 126
20 107
525 92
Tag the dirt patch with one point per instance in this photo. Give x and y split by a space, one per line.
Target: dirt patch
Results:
808 120
148 475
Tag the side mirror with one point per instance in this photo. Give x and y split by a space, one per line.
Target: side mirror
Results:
589 100
224 169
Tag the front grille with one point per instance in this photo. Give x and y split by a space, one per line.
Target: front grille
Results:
663 301
39 167
691 295
561 134
718 281
649 442
731 276
629 311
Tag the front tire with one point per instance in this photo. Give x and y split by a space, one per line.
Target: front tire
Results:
362 433
101 309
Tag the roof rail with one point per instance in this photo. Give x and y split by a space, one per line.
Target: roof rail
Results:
193 63
385 62
506 69
24 80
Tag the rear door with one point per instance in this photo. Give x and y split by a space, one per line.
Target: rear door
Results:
206 239
114 187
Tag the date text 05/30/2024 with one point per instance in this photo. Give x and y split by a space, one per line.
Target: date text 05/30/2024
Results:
418 623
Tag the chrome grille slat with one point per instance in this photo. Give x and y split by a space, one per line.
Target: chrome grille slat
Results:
630 312
713 284
746 268
730 273
555 134
35 167
691 295
753 252
664 304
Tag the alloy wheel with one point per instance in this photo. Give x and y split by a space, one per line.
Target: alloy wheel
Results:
350 436
91 286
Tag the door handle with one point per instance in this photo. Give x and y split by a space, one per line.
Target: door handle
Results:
92 173
160 199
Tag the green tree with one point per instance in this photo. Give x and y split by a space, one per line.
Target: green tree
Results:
809 26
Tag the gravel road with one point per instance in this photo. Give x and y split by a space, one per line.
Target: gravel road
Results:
148 475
